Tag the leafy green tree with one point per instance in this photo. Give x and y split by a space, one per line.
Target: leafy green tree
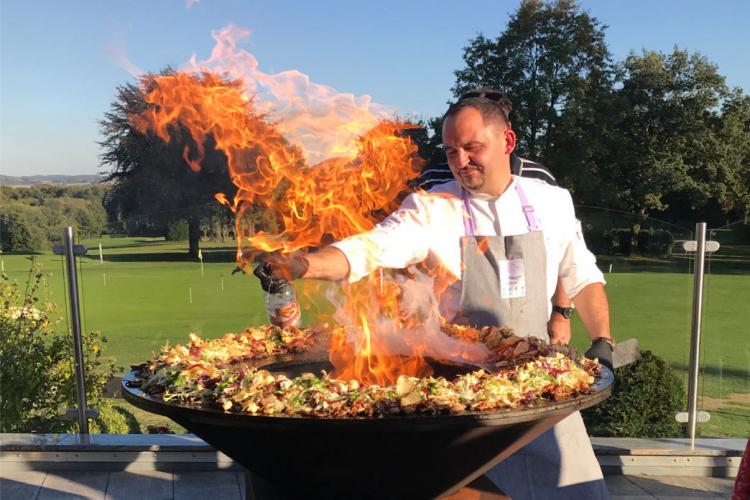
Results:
732 185
21 228
668 114
550 57
152 181
32 218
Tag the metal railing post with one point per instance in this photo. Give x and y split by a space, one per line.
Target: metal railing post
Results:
695 330
75 321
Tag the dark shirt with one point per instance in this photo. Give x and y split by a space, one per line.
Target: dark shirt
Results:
432 175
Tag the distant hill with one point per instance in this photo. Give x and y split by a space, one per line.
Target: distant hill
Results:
29 180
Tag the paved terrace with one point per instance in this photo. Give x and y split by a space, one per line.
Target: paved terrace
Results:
183 467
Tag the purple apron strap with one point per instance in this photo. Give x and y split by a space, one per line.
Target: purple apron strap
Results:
528 209
469 228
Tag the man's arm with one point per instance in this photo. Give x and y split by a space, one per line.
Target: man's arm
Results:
558 327
329 263
593 307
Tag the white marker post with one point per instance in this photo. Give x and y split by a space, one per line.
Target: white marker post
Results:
200 258
222 283
101 255
190 294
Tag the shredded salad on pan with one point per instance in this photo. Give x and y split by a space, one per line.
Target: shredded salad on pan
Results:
221 373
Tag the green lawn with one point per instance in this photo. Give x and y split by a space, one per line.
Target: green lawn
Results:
146 292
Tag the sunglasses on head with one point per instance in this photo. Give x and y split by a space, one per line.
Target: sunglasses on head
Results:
491 95
494 96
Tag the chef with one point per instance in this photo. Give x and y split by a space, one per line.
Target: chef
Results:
505 240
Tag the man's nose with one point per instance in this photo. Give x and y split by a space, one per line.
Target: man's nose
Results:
463 158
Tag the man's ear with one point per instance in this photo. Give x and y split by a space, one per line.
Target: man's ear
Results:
510 141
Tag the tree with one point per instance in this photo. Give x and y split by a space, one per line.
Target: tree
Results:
732 186
34 217
550 57
666 142
151 177
19 228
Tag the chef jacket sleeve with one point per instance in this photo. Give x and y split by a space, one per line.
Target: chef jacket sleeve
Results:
400 240
578 265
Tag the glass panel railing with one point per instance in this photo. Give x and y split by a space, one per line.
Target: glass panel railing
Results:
724 391
649 280
649 286
142 292
34 360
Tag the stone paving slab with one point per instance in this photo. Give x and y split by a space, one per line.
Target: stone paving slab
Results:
620 486
664 487
69 485
221 485
230 485
143 485
20 484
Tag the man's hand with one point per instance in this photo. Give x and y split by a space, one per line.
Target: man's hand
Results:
558 329
278 267
601 349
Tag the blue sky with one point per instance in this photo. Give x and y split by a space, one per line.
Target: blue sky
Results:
61 60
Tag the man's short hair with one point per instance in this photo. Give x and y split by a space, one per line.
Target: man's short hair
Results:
492 104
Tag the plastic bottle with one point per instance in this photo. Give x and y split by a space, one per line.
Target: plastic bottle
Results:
281 304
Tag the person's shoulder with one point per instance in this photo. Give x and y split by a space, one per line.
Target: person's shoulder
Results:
445 192
539 188
448 187
433 175
532 170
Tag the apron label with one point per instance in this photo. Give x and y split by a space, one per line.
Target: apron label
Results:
512 279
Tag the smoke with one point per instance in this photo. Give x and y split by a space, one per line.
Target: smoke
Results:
116 51
324 122
414 330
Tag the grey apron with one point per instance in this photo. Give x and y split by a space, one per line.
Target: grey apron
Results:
504 283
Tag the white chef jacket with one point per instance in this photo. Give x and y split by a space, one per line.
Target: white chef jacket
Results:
429 225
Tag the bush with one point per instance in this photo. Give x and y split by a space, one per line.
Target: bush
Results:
655 242
36 364
178 231
645 399
113 420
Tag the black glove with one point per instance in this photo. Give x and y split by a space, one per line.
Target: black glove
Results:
277 269
601 349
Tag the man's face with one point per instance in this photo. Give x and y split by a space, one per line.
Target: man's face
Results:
478 153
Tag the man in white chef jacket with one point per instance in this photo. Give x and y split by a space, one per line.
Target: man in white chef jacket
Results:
505 239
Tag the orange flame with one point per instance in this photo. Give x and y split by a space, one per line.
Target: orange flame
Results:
325 165
383 346
336 198
329 201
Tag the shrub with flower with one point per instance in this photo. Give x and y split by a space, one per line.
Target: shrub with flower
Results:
37 378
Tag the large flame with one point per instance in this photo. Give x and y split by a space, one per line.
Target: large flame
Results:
362 162
334 199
